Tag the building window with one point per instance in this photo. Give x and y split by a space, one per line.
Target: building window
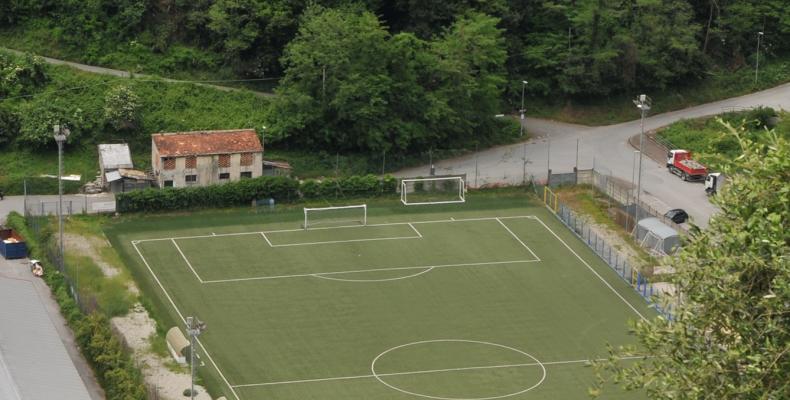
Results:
224 176
224 160
245 175
168 183
191 162
169 162
191 178
246 159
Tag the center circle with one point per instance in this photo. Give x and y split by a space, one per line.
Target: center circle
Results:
380 375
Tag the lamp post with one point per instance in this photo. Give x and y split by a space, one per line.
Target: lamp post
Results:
643 103
522 110
194 328
757 60
61 133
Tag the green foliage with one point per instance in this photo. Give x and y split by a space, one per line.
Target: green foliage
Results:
122 108
350 85
243 192
20 74
730 338
9 126
716 148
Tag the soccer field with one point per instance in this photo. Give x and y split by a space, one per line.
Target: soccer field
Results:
488 299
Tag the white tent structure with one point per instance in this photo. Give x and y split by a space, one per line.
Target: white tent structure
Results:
656 236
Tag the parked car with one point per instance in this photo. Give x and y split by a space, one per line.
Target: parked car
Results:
677 215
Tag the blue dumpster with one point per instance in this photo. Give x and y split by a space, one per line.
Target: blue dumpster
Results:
12 245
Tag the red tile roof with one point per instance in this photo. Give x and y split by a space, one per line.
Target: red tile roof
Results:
179 144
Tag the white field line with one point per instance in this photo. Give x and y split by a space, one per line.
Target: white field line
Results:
186 260
438 221
172 303
341 241
592 270
267 239
256 278
518 238
429 371
415 230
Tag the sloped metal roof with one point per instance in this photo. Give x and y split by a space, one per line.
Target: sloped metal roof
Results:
114 156
34 363
180 144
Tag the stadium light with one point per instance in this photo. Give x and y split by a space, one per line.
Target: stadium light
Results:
61 133
643 103
194 328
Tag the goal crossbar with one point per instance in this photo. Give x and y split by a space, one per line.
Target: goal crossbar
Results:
459 190
363 219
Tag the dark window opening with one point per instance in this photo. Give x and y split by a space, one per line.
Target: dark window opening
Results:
224 175
245 175
168 183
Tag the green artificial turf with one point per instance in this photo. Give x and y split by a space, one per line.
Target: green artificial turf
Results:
471 301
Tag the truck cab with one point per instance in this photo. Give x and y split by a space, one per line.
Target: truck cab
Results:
713 183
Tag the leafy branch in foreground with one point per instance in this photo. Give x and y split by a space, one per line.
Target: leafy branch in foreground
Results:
731 337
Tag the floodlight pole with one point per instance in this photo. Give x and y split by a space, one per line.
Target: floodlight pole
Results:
522 110
61 133
643 103
194 328
757 61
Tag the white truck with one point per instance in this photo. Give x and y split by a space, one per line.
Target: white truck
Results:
713 183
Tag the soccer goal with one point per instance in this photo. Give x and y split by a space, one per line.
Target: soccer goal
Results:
335 216
440 190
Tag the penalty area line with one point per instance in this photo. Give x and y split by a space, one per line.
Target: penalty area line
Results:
429 371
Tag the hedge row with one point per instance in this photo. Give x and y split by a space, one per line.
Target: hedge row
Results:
115 370
243 192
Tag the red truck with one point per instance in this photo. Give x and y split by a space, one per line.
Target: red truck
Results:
680 163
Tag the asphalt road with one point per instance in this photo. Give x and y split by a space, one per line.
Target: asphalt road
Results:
606 148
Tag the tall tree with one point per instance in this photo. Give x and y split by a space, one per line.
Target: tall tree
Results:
731 337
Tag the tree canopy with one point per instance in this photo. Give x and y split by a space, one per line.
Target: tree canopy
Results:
731 337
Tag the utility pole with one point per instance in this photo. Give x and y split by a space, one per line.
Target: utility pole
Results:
524 162
522 110
61 133
577 154
476 170
757 60
194 328
643 103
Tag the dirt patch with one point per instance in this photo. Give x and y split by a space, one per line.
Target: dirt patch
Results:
89 246
136 328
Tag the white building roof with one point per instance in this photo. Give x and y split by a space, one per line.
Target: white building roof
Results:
34 363
113 156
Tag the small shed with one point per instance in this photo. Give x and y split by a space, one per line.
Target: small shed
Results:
177 343
113 157
276 168
657 236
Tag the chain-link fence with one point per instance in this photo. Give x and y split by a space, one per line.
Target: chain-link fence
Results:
72 204
658 295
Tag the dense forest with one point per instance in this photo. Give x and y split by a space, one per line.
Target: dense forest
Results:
400 75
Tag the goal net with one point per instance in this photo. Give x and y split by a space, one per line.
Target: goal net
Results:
442 190
335 216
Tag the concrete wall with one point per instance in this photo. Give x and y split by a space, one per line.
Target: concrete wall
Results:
207 169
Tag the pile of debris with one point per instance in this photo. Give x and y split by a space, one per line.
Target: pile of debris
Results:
93 187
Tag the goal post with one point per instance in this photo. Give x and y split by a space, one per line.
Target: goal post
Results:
437 190
335 216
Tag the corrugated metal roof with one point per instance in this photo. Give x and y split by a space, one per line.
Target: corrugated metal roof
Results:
112 176
31 352
657 227
207 142
114 156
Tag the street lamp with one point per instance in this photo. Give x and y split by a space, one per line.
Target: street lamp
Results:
757 61
194 328
522 110
61 133
643 103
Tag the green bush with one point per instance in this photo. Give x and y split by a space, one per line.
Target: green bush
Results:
282 189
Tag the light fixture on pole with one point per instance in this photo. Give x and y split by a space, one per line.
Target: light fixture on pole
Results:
757 60
61 133
643 103
522 110
194 328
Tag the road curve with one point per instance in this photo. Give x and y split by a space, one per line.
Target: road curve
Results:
606 148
